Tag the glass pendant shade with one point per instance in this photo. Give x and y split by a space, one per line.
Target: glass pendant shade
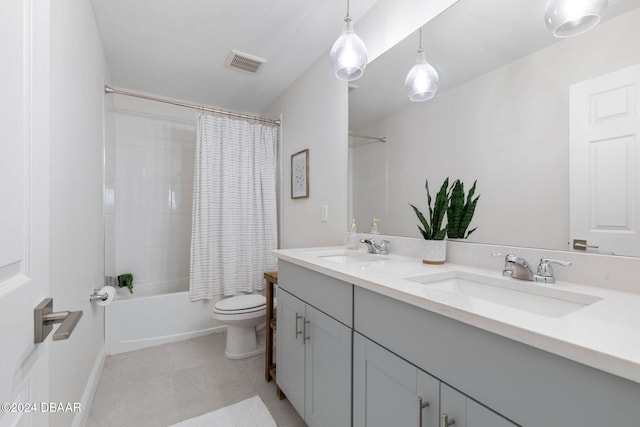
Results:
566 18
422 81
348 54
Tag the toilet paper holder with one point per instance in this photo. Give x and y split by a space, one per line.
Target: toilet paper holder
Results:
97 296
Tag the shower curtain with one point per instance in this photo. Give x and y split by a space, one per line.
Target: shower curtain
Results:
234 226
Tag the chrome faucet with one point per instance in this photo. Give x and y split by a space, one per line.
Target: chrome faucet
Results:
519 268
374 248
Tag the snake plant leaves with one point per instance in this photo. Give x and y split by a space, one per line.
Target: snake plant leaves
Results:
460 212
432 228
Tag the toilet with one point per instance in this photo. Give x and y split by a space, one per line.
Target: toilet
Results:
241 314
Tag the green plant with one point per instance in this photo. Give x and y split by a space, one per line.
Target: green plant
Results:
432 228
126 280
460 212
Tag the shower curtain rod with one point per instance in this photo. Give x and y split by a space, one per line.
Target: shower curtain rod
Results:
108 89
376 138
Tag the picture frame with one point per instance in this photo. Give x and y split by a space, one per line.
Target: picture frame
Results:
300 174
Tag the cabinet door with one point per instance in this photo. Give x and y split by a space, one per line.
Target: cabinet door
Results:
388 391
466 412
328 371
290 349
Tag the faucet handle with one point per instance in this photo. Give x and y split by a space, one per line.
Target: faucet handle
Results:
508 269
545 271
383 249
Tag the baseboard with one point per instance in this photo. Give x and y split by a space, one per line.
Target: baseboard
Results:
90 390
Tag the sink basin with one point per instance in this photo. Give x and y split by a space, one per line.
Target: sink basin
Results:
526 296
346 256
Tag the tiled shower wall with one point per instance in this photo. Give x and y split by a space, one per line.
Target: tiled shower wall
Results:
148 199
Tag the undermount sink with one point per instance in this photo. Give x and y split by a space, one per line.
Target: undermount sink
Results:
520 295
347 256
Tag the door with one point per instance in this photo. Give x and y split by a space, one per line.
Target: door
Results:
290 350
24 215
605 162
328 371
389 391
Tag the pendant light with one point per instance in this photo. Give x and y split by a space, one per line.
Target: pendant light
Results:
422 81
348 54
566 18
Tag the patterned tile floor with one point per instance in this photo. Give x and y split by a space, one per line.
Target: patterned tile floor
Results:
162 385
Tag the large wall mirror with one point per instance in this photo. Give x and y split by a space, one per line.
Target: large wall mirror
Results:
502 116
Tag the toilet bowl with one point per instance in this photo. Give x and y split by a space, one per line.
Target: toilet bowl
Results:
241 314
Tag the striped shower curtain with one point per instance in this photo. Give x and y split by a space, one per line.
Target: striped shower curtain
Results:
234 226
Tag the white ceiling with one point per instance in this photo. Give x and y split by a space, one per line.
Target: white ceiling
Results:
467 40
177 48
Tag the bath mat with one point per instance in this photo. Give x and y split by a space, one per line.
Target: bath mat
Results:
248 413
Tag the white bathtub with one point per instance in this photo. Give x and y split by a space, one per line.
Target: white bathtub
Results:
156 313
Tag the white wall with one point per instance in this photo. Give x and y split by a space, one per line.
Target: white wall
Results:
509 129
315 116
78 72
150 159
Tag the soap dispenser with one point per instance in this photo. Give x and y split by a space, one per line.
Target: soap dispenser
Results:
374 226
352 240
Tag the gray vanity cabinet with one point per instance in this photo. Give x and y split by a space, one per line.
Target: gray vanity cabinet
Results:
388 391
313 347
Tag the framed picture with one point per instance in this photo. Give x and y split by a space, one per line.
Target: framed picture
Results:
300 174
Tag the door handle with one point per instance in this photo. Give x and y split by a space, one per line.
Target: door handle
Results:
298 317
421 406
45 318
446 422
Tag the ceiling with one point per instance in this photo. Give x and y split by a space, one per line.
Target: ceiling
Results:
467 40
177 48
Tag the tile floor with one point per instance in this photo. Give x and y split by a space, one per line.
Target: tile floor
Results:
162 385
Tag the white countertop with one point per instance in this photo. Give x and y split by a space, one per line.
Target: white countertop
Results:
604 335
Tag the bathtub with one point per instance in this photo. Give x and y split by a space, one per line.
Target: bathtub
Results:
156 313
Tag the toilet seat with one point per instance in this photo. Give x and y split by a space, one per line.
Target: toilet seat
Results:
241 304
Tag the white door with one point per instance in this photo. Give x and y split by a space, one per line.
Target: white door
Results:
24 207
605 162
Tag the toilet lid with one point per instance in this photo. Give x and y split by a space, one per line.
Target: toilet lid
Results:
241 302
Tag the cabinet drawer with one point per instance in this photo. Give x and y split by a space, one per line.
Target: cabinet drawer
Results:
331 296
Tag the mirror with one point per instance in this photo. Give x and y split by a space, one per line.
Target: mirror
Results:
501 116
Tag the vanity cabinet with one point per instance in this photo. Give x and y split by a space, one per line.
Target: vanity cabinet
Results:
402 352
388 391
313 346
525 385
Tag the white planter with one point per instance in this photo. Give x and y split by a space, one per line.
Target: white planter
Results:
434 251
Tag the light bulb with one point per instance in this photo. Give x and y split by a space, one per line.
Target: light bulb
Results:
566 18
422 81
348 54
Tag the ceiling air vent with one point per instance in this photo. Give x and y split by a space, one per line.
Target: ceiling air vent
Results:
244 62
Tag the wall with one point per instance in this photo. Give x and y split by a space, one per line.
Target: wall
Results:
509 129
314 116
78 72
150 159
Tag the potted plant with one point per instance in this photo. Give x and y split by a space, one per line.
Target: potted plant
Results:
434 233
460 212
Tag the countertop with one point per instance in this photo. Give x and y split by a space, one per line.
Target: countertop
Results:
604 334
